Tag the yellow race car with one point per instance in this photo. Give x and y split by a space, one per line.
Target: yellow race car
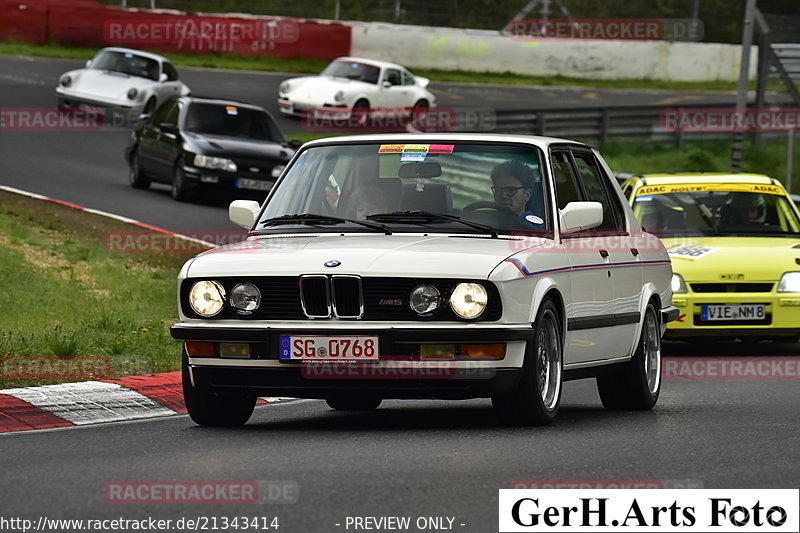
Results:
734 242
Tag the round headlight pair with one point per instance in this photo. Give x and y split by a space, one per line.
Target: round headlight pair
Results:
207 298
133 92
468 300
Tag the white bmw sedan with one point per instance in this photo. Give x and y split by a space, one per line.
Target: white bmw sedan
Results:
358 89
124 81
444 266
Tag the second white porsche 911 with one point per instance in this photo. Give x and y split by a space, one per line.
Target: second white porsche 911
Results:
360 88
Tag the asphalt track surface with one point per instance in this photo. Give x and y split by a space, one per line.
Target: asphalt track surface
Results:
412 458
88 167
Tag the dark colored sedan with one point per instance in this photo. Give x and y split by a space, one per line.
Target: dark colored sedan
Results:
198 144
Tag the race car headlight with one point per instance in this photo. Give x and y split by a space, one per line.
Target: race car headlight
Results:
425 299
468 300
65 81
217 163
245 298
207 298
339 96
790 282
284 87
132 93
277 170
678 285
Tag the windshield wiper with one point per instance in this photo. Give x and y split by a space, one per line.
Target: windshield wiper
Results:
407 216
311 217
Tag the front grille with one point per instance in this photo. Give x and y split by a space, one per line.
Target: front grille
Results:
348 298
731 287
315 296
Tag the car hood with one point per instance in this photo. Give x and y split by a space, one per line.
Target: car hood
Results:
217 145
755 258
322 89
103 83
365 254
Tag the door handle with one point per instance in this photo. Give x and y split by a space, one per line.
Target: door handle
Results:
604 253
634 251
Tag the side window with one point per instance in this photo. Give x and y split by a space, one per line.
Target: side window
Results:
408 79
597 191
163 110
172 74
567 188
393 77
172 116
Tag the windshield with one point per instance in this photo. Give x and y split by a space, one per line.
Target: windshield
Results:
231 121
126 63
715 209
352 70
462 188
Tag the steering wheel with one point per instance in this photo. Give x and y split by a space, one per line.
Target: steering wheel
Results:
488 205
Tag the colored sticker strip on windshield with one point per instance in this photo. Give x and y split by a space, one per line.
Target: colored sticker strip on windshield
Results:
709 187
229 109
441 149
391 149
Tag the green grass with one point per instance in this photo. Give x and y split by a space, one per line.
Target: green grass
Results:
642 157
64 296
314 66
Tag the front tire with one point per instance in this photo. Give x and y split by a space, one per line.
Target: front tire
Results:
180 188
136 176
637 386
536 400
359 116
419 114
214 409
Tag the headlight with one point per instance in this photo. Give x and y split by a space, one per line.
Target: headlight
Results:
277 170
678 285
218 163
132 93
245 298
425 299
284 87
468 300
66 80
790 282
339 96
207 298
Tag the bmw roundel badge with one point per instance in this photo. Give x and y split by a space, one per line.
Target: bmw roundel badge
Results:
332 263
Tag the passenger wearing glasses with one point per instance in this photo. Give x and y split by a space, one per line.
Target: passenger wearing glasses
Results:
513 187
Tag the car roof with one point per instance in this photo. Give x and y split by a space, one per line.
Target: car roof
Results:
136 52
705 177
373 62
398 138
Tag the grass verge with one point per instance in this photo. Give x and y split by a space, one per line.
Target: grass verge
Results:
67 299
314 66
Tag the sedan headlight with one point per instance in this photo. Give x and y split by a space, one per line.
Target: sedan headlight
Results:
790 282
468 300
339 96
207 298
132 93
245 298
425 299
284 87
678 285
65 81
217 163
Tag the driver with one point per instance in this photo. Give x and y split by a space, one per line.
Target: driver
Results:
749 209
513 184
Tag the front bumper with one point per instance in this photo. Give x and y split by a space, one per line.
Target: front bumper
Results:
130 108
782 315
232 182
395 376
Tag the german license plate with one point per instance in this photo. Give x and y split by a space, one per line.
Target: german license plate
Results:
328 348
258 185
733 312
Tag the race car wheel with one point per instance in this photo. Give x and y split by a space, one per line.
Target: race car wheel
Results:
353 403
537 397
149 106
419 114
136 176
179 186
637 386
359 116
214 409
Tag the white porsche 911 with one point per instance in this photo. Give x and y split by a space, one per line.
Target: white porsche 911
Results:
361 88
124 81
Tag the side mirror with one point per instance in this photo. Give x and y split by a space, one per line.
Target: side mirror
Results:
88 63
163 77
387 84
294 144
243 213
577 216
168 127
